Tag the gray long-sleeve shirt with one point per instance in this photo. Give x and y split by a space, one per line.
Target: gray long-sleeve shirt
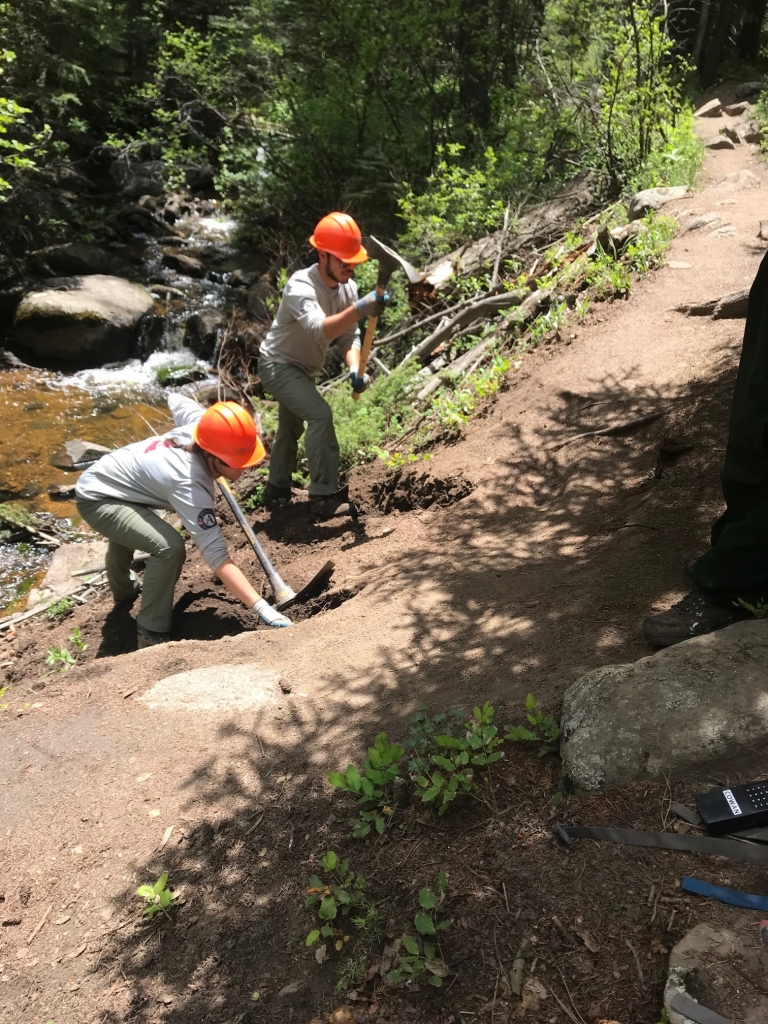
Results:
296 335
161 473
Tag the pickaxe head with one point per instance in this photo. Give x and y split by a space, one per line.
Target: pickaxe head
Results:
389 262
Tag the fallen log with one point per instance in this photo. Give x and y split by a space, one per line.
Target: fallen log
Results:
485 307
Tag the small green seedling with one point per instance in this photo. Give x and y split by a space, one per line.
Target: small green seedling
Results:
158 897
343 893
544 729
374 787
59 610
60 657
77 640
421 954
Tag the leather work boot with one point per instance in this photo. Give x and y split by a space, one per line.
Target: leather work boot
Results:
148 638
332 505
695 615
276 497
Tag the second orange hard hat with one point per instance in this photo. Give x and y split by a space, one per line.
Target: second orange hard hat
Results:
338 234
228 431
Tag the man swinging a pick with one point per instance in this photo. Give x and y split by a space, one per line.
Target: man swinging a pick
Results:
319 308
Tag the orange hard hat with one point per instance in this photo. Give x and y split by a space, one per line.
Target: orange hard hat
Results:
228 431
338 234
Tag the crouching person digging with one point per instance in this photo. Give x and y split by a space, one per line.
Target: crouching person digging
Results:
319 308
116 497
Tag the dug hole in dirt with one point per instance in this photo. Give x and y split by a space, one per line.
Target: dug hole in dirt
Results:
207 758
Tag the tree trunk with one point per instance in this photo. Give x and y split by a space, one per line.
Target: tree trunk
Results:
713 52
748 44
701 34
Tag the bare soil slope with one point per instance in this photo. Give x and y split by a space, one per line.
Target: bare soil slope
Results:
506 565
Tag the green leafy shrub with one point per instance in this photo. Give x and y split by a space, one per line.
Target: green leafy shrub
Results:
459 204
454 772
374 786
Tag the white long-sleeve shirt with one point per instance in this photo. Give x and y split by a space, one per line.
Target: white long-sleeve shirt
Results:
158 474
296 335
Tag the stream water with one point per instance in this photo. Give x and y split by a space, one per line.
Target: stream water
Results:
112 405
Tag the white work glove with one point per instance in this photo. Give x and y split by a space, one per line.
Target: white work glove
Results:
371 304
269 615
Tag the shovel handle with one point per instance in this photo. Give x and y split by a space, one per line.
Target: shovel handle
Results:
365 351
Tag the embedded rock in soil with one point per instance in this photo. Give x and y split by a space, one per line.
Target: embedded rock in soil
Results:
735 109
733 306
404 491
721 143
736 182
702 703
72 454
653 199
712 109
83 321
704 963
227 688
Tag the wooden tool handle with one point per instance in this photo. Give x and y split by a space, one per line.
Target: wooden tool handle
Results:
365 351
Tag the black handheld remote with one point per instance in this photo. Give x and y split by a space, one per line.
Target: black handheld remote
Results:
736 809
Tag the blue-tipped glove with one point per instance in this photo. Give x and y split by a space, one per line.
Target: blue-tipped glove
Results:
269 615
359 384
371 304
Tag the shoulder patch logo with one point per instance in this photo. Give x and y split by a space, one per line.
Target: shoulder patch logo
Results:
206 519
306 305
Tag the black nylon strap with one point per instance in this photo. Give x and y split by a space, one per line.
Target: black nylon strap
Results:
695 1011
749 853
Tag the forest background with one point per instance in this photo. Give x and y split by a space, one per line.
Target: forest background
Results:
424 119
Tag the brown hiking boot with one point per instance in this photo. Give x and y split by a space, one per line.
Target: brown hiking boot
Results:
332 505
695 615
148 637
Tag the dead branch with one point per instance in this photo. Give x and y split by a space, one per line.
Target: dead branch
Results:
618 428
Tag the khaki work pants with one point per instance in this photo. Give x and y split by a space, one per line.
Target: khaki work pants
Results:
300 402
130 528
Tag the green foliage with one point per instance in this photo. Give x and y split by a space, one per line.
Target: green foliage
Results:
421 740
542 729
384 410
374 786
158 897
453 408
647 249
61 658
60 609
676 159
459 204
254 500
420 954
454 770
76 639
343 893
759 609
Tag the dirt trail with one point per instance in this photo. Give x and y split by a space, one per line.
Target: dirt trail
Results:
545 570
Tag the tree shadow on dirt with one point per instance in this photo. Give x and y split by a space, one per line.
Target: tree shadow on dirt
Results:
545 571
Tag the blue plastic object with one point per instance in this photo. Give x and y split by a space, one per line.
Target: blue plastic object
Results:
747 900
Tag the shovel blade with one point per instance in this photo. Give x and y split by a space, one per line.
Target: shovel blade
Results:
315 587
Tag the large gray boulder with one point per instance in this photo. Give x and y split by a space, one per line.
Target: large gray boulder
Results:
649 199
83 321
700 704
